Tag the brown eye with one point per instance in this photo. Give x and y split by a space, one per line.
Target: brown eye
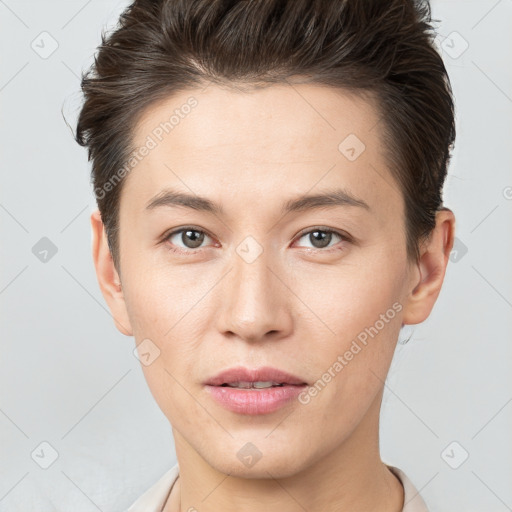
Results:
187 238
321 238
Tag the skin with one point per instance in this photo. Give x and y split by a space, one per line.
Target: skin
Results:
296 307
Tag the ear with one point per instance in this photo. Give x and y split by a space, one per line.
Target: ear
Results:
434 257
108 278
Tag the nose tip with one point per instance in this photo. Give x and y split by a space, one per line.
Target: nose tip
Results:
255 303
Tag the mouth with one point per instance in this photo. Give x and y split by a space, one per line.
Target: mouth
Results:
252 392
255 385
258 378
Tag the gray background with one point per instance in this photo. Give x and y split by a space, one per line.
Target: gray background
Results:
68 378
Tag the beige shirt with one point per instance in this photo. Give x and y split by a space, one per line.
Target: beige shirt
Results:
154 498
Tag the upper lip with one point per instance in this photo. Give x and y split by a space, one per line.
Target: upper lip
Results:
262 374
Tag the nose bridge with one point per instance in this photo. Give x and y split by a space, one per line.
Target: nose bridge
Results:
256 302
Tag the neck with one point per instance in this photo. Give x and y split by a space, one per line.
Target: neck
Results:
350 477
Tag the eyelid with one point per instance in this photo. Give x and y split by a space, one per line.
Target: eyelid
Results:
325 229
344 237
173 231
166 239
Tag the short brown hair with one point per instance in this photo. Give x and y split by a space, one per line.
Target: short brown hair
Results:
383 49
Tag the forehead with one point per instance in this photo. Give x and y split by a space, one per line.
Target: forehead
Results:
262 141
304 113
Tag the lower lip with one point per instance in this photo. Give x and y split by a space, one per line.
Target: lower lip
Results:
254 401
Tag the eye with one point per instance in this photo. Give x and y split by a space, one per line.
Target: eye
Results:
320 237
190 239
186 239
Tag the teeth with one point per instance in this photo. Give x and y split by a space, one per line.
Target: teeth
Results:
261 385
255 385
244 385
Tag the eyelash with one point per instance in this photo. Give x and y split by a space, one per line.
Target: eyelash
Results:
343 238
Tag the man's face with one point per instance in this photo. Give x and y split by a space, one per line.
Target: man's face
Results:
254 285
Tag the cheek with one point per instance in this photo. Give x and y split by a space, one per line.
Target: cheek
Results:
167 307
160 300
353 296
361 305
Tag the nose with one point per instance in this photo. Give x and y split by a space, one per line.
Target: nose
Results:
255 301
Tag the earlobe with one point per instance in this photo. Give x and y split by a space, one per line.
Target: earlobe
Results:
434 257
108 278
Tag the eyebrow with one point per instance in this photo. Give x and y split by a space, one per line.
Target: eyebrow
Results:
332 198
337 197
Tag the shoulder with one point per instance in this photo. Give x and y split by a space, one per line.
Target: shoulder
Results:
154 498
413 502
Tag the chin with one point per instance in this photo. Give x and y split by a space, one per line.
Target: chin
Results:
277 463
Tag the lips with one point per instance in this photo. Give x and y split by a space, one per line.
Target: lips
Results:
255 392
254 378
